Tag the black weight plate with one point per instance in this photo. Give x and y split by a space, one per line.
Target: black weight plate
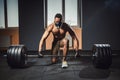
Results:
104 52
10 56
100 49
8 53
9 50
24 50
20 56
15 56
102 58
95 56
109 58
12 62
19 53
97 59
108 51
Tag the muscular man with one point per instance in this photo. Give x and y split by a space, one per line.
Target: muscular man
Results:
59 30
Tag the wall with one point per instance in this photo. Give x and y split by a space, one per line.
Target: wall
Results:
13 33
31 22
101 23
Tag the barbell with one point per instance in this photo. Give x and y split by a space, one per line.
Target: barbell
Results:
101 56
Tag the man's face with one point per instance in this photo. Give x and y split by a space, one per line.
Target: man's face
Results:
57 20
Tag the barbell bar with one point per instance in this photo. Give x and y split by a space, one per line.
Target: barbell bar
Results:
35 56
101 55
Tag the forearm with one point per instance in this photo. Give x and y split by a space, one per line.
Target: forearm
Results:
76 44
41 44
44 37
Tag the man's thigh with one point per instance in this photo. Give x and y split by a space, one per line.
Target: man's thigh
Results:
63 42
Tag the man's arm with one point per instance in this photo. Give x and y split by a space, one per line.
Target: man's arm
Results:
74 37
44 37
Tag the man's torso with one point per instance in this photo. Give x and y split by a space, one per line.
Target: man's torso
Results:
59 33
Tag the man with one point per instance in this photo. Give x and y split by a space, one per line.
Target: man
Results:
59 30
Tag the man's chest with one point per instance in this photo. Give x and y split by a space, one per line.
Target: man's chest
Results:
59 31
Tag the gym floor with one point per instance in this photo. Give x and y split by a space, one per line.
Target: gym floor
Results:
41 69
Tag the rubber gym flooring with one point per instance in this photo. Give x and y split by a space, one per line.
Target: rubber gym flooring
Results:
41 69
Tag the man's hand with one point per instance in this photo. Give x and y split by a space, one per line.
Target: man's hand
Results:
77 54
40 55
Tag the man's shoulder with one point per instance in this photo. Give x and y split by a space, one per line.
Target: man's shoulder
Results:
51 25
65 25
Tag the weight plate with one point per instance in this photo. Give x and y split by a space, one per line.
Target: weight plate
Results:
24 50
9 55
21 56
12 62
15 55
102 56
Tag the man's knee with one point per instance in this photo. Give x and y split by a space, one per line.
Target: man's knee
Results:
66 43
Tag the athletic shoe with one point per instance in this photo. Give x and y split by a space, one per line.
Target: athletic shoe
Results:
64 64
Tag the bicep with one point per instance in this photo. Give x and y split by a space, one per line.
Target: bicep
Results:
47 32
71 32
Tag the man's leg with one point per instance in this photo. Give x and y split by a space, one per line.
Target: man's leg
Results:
54 51
65 44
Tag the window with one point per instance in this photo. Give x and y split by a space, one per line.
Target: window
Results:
12 13
2 18
71 12
68 8
52 10
8 13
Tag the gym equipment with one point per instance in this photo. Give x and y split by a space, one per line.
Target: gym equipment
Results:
17 56
102 55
